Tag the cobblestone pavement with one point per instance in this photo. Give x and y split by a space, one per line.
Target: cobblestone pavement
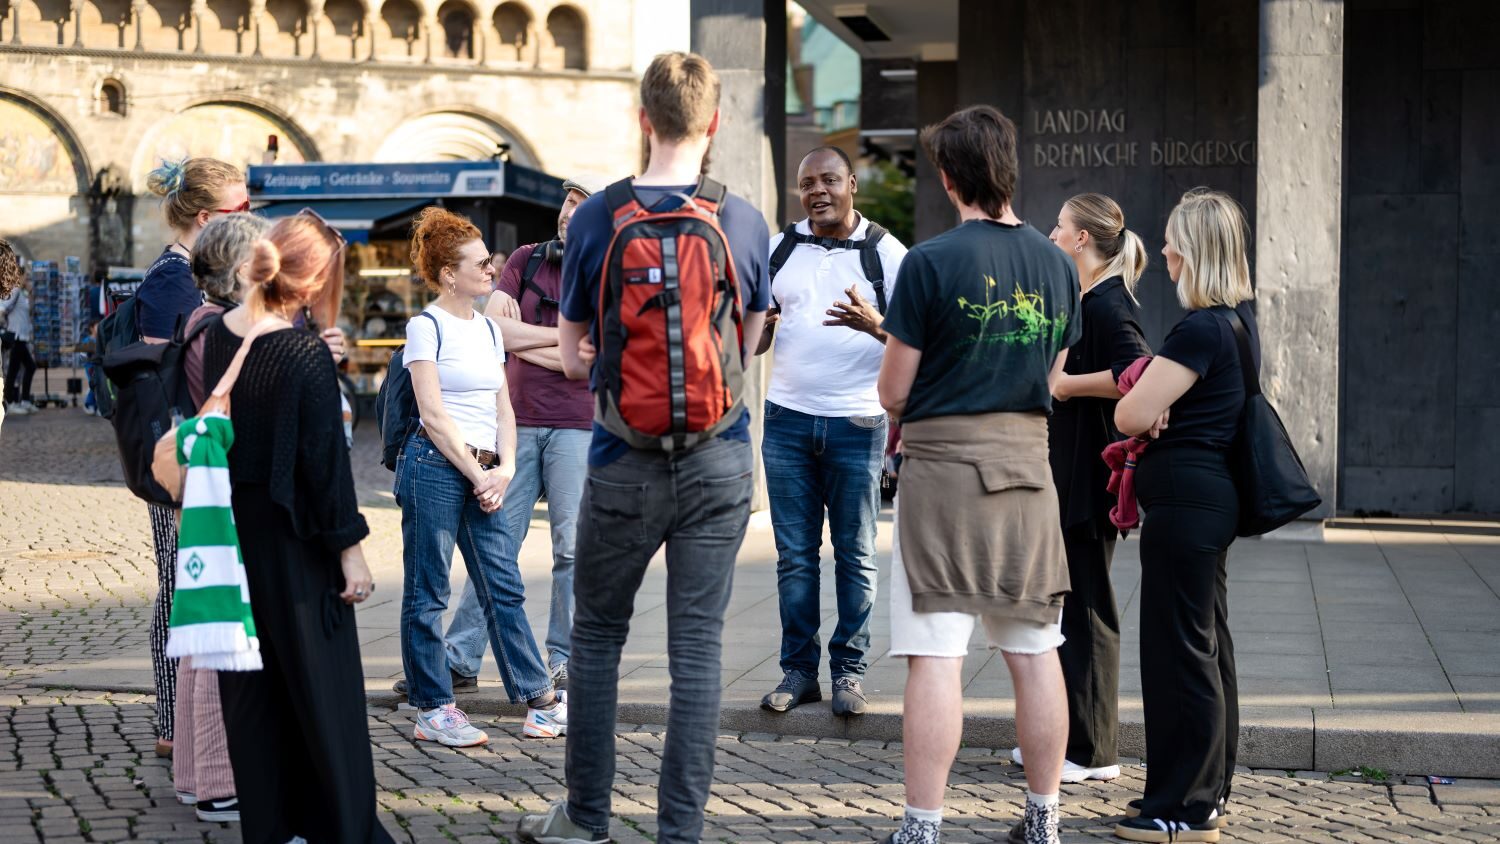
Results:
79 766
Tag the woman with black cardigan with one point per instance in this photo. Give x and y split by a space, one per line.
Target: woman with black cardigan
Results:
1110 259
1190 399
298 736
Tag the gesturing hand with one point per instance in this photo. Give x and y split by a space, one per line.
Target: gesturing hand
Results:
856 313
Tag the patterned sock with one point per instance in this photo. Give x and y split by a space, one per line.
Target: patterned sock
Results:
919 826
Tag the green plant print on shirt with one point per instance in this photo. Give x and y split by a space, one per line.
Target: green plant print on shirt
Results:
1020 320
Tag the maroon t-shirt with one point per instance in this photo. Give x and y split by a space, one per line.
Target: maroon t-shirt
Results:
541 397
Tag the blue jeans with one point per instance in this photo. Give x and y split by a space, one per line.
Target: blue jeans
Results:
813 464
439 510
698 504
554 461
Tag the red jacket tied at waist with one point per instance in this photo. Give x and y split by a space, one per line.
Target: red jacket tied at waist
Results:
1121 458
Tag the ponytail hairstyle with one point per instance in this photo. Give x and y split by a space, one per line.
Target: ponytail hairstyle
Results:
299 262
437 235
1123 252
190 187
1207 228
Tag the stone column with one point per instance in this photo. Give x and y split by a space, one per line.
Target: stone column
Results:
746 41
199 8
257 11
137 9
77 8
315 24
429 27
937 87
1298 197
372 24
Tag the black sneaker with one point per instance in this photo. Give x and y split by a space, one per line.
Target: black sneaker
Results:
1037 826
1220 815
796 689
1141 828
848 696
461 685
226 810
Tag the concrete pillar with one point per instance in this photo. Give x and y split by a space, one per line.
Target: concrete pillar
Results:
990 51
937 87
746 42
1298 198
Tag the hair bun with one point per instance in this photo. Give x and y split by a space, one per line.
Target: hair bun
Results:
265 263
168 178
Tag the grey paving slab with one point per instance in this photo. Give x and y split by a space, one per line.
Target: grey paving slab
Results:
1381 616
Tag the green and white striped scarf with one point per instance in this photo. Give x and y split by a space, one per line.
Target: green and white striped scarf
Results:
211 620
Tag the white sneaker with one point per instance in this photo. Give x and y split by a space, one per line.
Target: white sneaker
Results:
448 725
30 408
16 408
187 798
1075 773
547 723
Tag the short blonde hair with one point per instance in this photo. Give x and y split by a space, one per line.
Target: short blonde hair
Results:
1207 228
680 93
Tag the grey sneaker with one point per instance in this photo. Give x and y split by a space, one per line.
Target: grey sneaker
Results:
796 689
560 676
448 725
1037 826
848 696
554 827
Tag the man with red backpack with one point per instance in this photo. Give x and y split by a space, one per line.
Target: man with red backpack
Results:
664 293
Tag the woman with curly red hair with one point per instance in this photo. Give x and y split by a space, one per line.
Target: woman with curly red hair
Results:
451 479
298 737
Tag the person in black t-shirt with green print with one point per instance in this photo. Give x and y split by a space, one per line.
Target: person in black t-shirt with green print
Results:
980 317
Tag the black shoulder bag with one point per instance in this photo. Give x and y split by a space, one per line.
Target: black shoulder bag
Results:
1272 483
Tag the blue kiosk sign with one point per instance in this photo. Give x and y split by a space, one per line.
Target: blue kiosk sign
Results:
421 180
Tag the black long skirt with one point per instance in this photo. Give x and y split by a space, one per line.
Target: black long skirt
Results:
298 737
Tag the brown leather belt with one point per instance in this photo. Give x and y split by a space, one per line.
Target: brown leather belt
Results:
487 459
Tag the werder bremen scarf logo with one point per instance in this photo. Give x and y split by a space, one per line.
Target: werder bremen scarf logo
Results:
195 566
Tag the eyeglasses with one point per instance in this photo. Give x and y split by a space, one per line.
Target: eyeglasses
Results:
242 207
488 262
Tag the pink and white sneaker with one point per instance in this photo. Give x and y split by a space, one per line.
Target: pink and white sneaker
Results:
547 723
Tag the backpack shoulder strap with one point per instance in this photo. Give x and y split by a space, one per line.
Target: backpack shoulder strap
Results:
869 258
622 202
789 241
710 194
438 327
534 263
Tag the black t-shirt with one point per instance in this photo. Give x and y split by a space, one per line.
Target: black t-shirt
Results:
1082 427
990 306
1208 414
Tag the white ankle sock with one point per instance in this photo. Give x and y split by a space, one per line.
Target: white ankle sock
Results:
928 815
1041 799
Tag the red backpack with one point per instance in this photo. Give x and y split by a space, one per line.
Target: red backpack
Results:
670 372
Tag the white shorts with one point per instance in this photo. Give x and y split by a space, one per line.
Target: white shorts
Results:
948 633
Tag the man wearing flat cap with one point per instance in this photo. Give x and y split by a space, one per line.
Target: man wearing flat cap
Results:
554 418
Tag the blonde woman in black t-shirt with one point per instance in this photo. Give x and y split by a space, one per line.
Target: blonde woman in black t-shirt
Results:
1183 482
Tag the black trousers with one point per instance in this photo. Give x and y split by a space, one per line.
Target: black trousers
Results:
1187 656
18 373
1091 655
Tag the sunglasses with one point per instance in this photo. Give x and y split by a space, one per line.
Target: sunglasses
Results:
242 207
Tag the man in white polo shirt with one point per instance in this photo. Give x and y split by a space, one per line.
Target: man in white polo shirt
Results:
825 431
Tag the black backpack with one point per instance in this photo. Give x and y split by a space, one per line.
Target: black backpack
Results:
115 332
869 257
549 252
396 404
150 396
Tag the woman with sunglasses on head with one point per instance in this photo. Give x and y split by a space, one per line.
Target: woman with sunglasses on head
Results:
451 479
193 192
298 736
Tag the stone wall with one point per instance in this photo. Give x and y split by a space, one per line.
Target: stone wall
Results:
1421 308
559 121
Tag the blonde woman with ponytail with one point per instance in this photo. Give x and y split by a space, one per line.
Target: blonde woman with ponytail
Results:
298 739
1110 259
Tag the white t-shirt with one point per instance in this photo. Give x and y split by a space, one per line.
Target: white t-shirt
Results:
471 369
827 370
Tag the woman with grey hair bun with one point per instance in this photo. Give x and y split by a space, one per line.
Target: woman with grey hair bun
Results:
202 775
220 256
